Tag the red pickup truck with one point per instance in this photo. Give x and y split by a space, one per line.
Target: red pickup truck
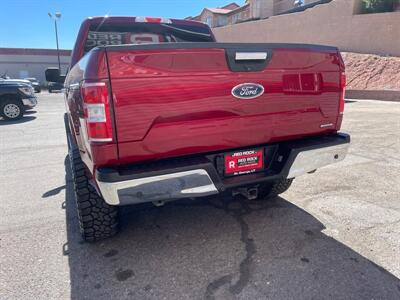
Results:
157 110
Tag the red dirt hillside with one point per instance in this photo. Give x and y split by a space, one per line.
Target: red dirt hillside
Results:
372 72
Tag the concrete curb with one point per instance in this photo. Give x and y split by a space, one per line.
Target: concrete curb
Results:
383 95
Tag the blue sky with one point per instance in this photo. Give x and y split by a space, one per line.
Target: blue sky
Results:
25 23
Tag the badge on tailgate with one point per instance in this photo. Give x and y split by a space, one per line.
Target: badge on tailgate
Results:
244 162
248 91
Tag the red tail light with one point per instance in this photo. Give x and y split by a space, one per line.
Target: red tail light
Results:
342 92
96 104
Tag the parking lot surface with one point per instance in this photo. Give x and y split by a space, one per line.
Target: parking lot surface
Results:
334 234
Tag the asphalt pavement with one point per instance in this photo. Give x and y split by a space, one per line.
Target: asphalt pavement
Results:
334 235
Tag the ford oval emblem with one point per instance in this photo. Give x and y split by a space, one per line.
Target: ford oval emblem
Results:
248 91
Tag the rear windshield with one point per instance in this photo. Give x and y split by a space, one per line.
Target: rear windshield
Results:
145 33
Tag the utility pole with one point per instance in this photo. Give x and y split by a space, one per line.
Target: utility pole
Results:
56 16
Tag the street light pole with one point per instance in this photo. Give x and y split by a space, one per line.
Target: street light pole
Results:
57 15
58 49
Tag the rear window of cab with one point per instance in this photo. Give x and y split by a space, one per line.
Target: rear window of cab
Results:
145 33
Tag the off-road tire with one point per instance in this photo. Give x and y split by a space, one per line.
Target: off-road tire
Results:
271 190
14 101
97 219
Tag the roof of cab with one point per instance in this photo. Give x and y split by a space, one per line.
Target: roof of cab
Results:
111 19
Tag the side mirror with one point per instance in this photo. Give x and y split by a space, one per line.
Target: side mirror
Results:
52 74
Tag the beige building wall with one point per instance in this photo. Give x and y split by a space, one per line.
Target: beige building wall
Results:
265 8
239 15
329 24
283 5
22 66
260 9
212 19
208 18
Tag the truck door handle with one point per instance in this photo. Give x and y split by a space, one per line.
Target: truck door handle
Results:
251 56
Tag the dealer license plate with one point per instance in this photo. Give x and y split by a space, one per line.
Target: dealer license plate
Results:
244 162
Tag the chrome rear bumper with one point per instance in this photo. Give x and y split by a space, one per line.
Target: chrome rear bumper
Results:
194 183
202 178
310 160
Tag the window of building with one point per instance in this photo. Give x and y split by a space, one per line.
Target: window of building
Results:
209 21
222 20
235 18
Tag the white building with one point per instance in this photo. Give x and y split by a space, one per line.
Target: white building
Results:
25 62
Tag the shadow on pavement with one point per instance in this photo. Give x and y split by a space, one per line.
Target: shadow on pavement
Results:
24 119
350 101
30 112
219 248
53 192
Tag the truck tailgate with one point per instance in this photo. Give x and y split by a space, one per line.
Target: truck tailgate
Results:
176 99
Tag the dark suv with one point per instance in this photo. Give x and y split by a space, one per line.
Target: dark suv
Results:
15 98
35 84
55 86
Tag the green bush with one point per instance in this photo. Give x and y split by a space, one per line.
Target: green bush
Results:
378 6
